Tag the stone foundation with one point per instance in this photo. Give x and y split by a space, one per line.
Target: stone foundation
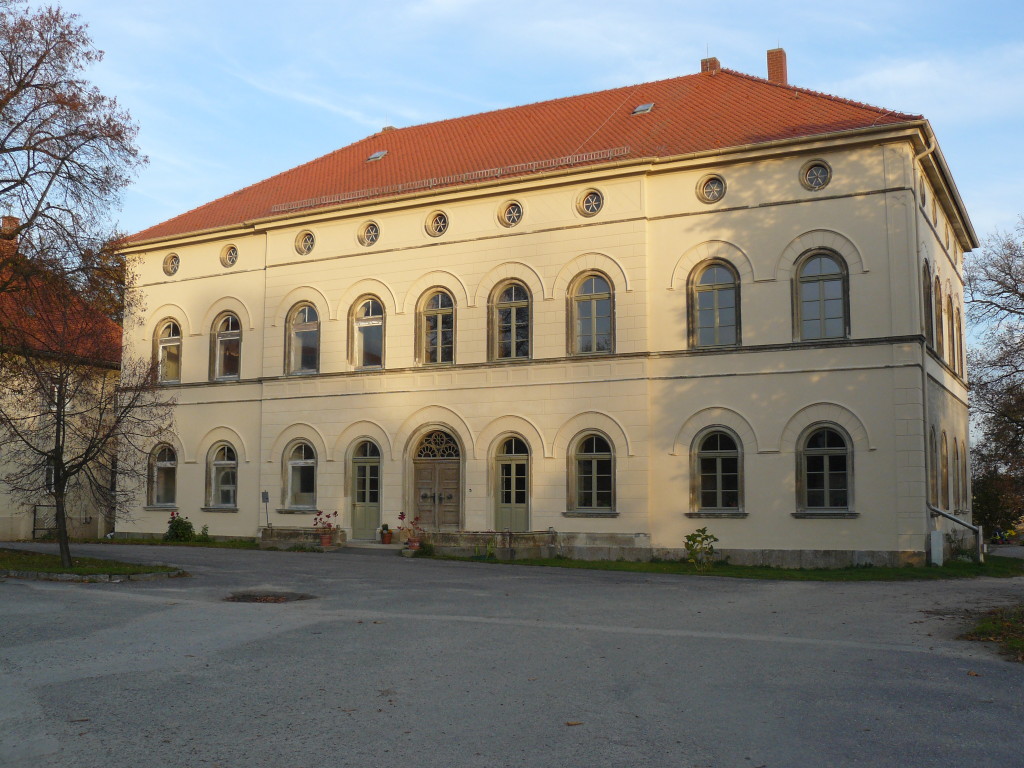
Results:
637 547
277 537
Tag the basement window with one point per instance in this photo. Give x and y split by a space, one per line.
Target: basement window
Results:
643 108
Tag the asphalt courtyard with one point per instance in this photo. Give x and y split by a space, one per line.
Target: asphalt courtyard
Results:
412 662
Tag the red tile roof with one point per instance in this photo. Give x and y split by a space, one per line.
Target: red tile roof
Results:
694 113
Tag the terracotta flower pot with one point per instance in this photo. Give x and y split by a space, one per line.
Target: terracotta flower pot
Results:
325 539
413 543
385 537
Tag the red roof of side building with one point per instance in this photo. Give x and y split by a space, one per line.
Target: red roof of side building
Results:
46 318
695 113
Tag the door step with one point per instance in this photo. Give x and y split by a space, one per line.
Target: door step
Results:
374 545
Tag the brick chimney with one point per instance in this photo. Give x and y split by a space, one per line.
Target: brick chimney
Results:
710 65
777 67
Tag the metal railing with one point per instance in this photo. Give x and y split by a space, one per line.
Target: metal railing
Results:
979 538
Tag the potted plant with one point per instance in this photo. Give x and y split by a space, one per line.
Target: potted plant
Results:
385 534
322 525
410 533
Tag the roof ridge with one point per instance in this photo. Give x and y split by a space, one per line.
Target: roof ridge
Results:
820 94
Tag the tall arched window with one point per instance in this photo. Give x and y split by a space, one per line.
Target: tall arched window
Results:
222 477
163 476
714 306
926 282
937 300
510 322
227 347
301 469
593 475
961 364
822 297
168 352
437 329
965 494
303 352
944 471
951 322
826 471
368 333
593 316
718 472
956 476
933 468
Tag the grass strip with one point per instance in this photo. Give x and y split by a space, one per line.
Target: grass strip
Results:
218 544
998 567
41 562
1004 626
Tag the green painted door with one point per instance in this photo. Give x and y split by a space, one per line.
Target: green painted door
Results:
365 491
512 511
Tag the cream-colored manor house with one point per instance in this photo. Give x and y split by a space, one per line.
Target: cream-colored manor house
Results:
609 320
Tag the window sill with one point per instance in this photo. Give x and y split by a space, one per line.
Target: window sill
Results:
161 507
218 509
823 514
296 510
589 513
718 513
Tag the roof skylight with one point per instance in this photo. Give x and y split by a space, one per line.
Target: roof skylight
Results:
376 155
644 108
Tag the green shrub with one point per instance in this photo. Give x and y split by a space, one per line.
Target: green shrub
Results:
179 528
204 534
700 549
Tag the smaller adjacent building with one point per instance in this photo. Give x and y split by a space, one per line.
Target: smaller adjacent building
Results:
595 323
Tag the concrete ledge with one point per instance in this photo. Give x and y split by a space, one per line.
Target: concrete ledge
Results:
281 537
507 545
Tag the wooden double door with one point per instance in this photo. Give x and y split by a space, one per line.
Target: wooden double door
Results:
437 492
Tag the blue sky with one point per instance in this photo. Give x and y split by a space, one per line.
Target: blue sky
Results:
228 93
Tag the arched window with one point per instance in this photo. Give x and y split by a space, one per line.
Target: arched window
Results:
956 476
303 352
714 306
926 282
937 300
222 477
301 469
168 352
965 494
718 472
368 333
510 322
437 329
951 322
163 476
593 316
961 364
593 475
933 469
944 471
822 297
826 472
227 347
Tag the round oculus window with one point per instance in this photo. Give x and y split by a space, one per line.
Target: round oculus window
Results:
815 175
370 233
229 257
171 263
591 202
304 243
437 224
512 213
711 189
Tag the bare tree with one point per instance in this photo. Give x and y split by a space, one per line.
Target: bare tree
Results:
995 294
66 150
71 407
